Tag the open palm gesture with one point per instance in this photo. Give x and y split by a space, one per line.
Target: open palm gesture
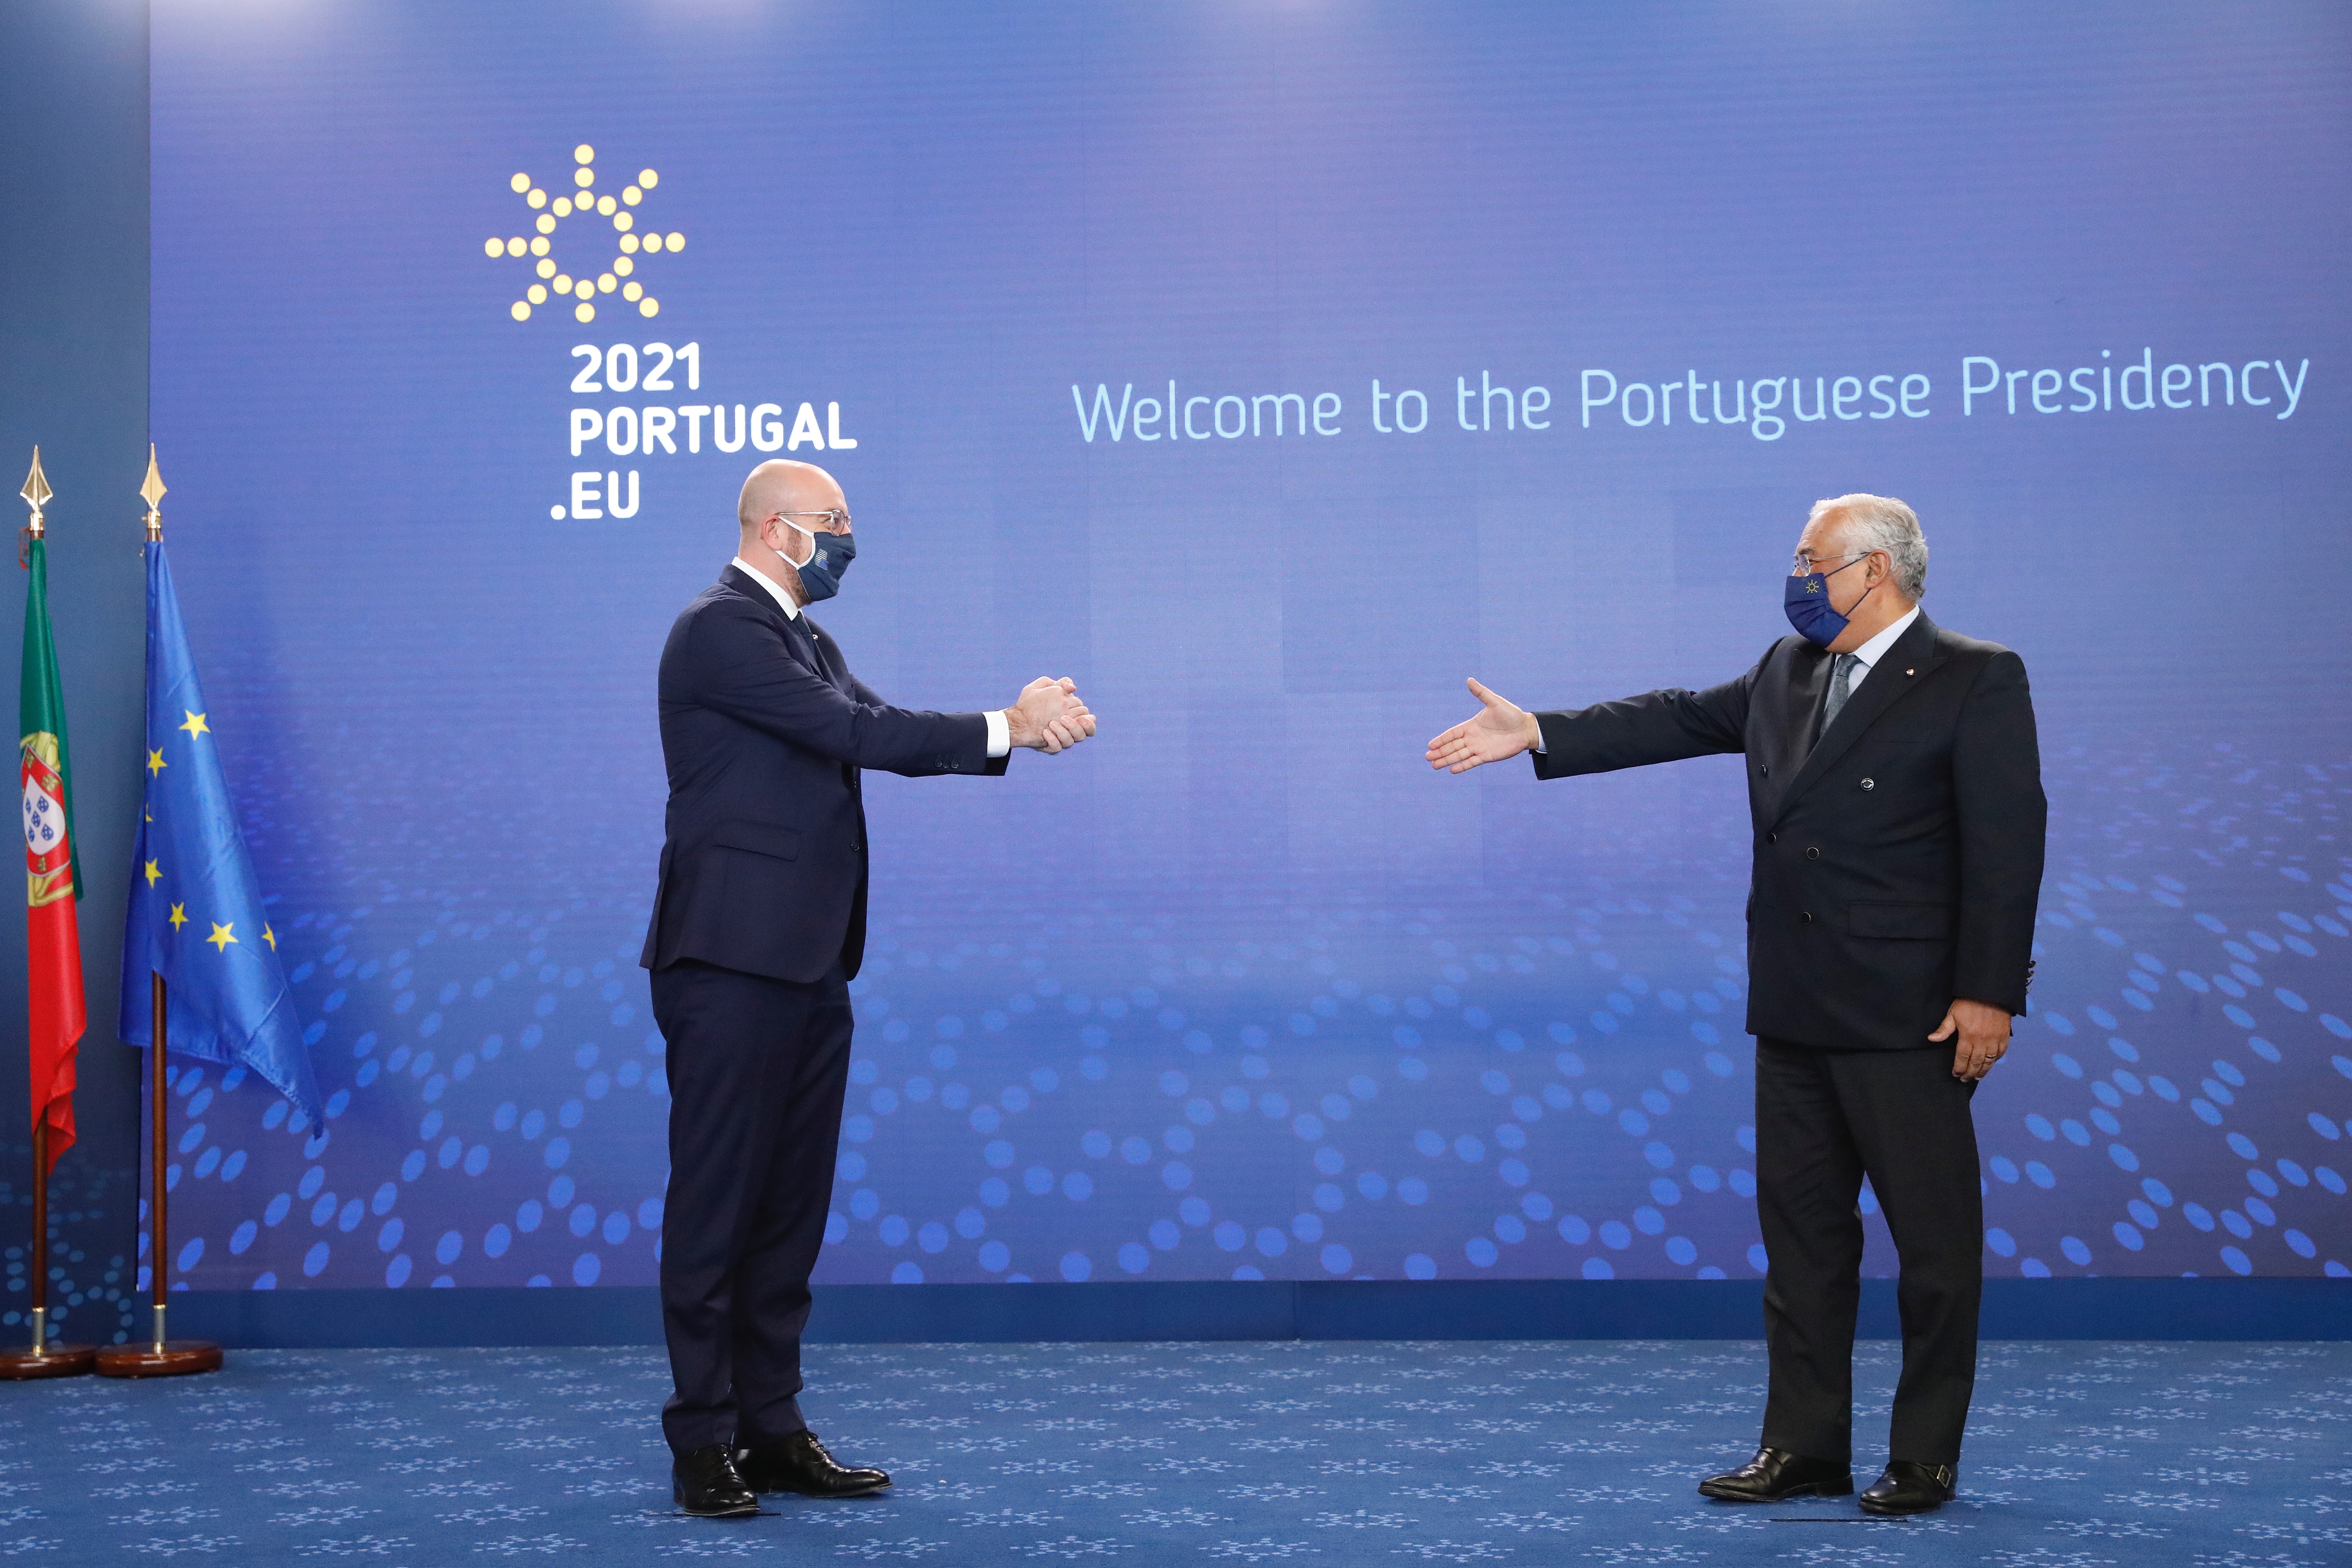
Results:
1500 730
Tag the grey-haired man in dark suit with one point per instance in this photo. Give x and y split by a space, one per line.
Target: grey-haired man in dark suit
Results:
1894 794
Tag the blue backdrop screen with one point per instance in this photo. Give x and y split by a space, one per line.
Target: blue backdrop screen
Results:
1269 368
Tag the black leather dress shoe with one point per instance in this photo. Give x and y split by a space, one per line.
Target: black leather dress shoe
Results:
706 1484
1907 1488
800 1464
1776 1473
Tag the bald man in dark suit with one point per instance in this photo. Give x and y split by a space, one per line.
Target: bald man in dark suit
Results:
759 926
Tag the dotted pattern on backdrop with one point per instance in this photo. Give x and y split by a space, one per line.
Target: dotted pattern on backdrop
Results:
1541 1083
2081 1456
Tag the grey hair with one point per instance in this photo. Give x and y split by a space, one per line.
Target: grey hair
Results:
1881 523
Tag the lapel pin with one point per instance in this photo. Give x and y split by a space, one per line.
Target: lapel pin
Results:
1910 672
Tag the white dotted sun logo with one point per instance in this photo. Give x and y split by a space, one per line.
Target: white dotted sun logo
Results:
582 201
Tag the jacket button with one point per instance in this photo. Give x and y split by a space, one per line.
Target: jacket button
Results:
1766 771
1806 918
1870 784
1772 839
1814 854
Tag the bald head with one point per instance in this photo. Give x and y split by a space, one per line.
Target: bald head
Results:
782 492
781 485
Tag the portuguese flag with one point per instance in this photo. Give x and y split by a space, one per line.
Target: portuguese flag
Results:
52 873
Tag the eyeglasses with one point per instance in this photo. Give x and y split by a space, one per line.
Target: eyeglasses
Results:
1805 562
836 520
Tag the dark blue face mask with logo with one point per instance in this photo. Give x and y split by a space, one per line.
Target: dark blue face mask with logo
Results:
1806 600
829 556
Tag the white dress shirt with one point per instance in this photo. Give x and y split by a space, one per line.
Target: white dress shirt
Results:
1870 652
999 729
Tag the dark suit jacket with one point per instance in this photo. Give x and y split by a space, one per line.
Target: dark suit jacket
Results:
764 731
1897 859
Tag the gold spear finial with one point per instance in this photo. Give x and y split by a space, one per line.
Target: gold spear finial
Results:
152 492
36 494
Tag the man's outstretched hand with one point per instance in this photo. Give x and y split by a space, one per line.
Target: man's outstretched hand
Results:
1049 717
1498 734
1983 1032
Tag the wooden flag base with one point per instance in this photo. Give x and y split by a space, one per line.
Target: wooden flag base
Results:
174 1358
56 1361
159 1354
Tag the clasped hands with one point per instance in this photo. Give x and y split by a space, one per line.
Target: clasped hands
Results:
1049 717
1502 730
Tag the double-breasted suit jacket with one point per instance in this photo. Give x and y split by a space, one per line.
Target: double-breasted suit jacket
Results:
1897 855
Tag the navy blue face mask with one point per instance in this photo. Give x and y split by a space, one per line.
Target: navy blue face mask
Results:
1807 602
830 555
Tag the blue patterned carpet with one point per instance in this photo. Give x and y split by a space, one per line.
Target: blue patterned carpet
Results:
2083 1455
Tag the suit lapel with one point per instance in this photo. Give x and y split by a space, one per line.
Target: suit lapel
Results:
1792 698
1888 679
826 662
1808 684
795 629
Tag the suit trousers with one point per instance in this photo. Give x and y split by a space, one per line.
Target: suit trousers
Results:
1823 1120
757 1071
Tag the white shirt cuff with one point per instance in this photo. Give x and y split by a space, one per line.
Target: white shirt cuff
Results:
1000 733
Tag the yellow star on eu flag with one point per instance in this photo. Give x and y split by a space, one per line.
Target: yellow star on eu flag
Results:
270 937
179 916
195 724
154 873
223 937
155 763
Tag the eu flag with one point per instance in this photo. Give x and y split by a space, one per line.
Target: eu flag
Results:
197 917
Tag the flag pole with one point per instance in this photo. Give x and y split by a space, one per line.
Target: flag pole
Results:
42 1359
164 1357
159 1114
